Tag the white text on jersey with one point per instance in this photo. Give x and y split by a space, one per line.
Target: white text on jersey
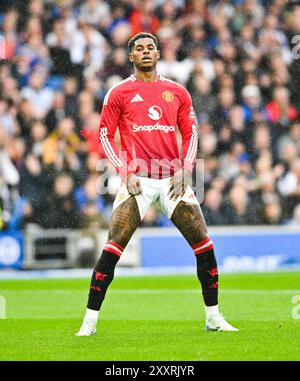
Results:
154 127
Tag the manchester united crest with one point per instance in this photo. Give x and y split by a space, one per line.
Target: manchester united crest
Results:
167 96
121 197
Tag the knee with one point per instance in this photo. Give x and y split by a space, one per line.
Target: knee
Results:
118 238
202 235
119 235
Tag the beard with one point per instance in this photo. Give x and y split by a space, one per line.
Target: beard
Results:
146 69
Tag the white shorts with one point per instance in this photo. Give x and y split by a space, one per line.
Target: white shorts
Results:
155 190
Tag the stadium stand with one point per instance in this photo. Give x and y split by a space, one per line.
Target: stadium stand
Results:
239 59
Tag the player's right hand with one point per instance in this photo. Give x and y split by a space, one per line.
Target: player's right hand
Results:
178 183
133 184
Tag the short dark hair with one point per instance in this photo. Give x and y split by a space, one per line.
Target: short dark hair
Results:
141 35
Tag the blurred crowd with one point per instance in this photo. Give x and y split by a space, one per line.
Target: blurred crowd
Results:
239 59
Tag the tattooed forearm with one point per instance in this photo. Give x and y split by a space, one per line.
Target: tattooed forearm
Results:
190 222
125 219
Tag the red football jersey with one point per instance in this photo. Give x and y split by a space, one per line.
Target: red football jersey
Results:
148 115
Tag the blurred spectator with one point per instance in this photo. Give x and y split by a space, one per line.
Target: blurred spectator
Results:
251 102
59 53
169 67
289 184
88 195
9 174
117 64
70 89
120 35
295 220
57 111
205 102
289 187
58 209
9 31
94 11
212 207
61 146
90 133
239 211
38 94
9 179
280 110
38 133
33 190
6 118
143 18
272 214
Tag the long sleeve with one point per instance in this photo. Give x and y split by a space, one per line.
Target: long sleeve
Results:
188 129
108 125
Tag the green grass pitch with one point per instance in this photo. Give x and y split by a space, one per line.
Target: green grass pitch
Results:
152 318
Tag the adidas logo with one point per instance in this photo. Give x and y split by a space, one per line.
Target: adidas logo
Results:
137 98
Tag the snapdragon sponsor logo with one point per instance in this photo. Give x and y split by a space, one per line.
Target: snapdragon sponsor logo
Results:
155 112
154 127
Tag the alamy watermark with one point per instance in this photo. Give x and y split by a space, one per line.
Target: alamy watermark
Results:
296 48
296 309
162 166
2 307
2 48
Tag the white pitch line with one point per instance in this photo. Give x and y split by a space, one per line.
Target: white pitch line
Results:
166 291
197 292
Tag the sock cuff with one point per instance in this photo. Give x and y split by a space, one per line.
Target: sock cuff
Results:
201 247
211 310
91 314
114 248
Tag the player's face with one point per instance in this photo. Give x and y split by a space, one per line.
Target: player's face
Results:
144 54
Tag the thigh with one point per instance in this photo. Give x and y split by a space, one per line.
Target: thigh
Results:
143 200
124 222
189 220
168 206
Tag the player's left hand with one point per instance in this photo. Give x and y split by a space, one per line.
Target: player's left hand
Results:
179 182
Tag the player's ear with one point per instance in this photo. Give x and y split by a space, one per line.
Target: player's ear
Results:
130 57
158 54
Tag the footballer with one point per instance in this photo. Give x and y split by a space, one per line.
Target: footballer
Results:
148 109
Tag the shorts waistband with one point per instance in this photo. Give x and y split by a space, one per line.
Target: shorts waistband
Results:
147 175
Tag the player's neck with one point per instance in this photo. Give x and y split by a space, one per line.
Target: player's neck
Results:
143 76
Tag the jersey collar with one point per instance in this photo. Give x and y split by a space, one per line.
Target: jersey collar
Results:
159 78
